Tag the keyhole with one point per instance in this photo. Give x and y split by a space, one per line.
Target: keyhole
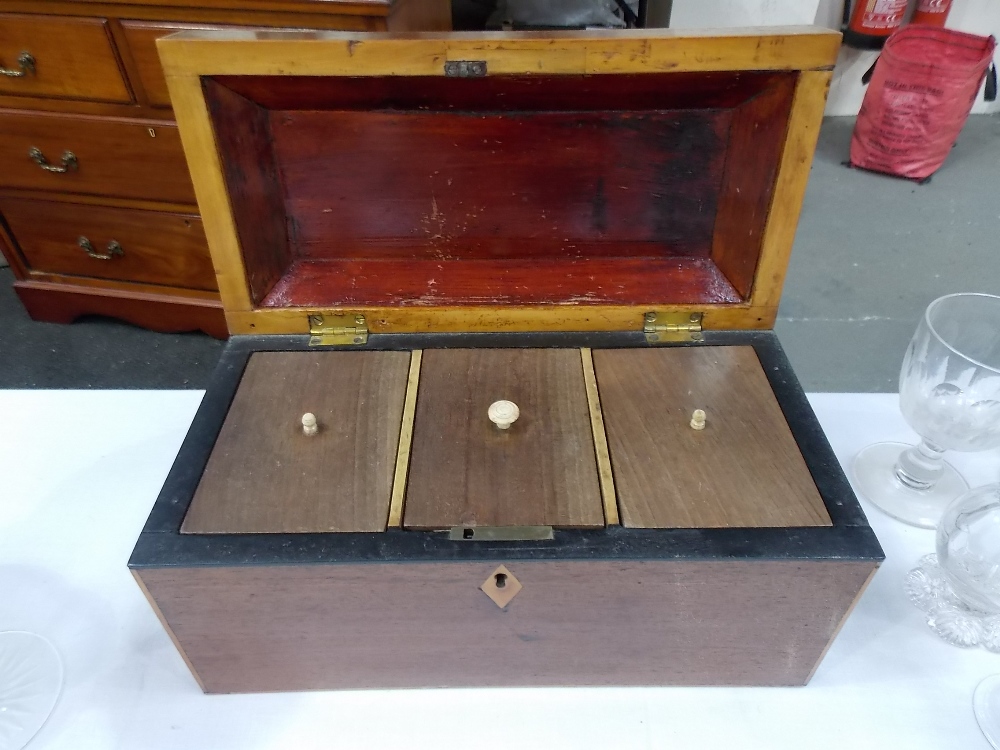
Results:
500 579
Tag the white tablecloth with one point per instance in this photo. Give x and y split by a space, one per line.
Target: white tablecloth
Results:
79 472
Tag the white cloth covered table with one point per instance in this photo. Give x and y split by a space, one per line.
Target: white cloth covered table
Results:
79 471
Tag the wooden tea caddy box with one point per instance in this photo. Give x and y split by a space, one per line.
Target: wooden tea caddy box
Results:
408 228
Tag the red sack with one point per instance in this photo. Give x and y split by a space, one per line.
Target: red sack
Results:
920 96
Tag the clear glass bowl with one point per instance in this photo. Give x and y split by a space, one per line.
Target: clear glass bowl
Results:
968 548
959 587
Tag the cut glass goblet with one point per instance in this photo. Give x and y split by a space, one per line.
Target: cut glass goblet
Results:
949 392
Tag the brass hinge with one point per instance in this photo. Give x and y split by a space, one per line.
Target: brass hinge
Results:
337 330
670 327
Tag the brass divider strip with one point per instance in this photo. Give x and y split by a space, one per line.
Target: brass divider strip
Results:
405 441
604 472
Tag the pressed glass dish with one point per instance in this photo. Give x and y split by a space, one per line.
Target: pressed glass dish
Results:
31 675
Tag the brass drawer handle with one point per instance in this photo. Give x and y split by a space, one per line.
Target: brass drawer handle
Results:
69 162
25 63
114 249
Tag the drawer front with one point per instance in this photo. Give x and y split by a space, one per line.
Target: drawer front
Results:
141 37
69 58
152 247
120 158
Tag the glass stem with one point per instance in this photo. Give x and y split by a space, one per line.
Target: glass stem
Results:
921 466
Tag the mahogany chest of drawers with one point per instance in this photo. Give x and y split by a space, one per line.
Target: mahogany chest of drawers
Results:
97 211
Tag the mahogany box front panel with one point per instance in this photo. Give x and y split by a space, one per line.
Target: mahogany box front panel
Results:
610 622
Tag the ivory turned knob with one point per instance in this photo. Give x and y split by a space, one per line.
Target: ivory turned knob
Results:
503 413
309 424
698 420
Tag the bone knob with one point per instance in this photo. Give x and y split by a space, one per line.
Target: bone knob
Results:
698 420
309 424
503 413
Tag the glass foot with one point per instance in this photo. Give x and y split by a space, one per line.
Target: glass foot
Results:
986 704
955 622
31 676
875 478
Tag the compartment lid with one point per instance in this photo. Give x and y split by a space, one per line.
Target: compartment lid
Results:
265 474
531 181
741 468
541 470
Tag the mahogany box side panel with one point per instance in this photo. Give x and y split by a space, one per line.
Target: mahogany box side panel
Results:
243 131
275 628
757 134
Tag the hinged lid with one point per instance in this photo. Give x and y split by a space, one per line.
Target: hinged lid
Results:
540 181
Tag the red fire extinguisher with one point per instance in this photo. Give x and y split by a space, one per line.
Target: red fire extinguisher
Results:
872 21
931 12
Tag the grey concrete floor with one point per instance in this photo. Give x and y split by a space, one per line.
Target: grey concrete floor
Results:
871 252
96 352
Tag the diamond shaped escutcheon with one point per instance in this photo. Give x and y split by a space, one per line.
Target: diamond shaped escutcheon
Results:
501 586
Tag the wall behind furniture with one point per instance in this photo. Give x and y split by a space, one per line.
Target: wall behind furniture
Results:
975 16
